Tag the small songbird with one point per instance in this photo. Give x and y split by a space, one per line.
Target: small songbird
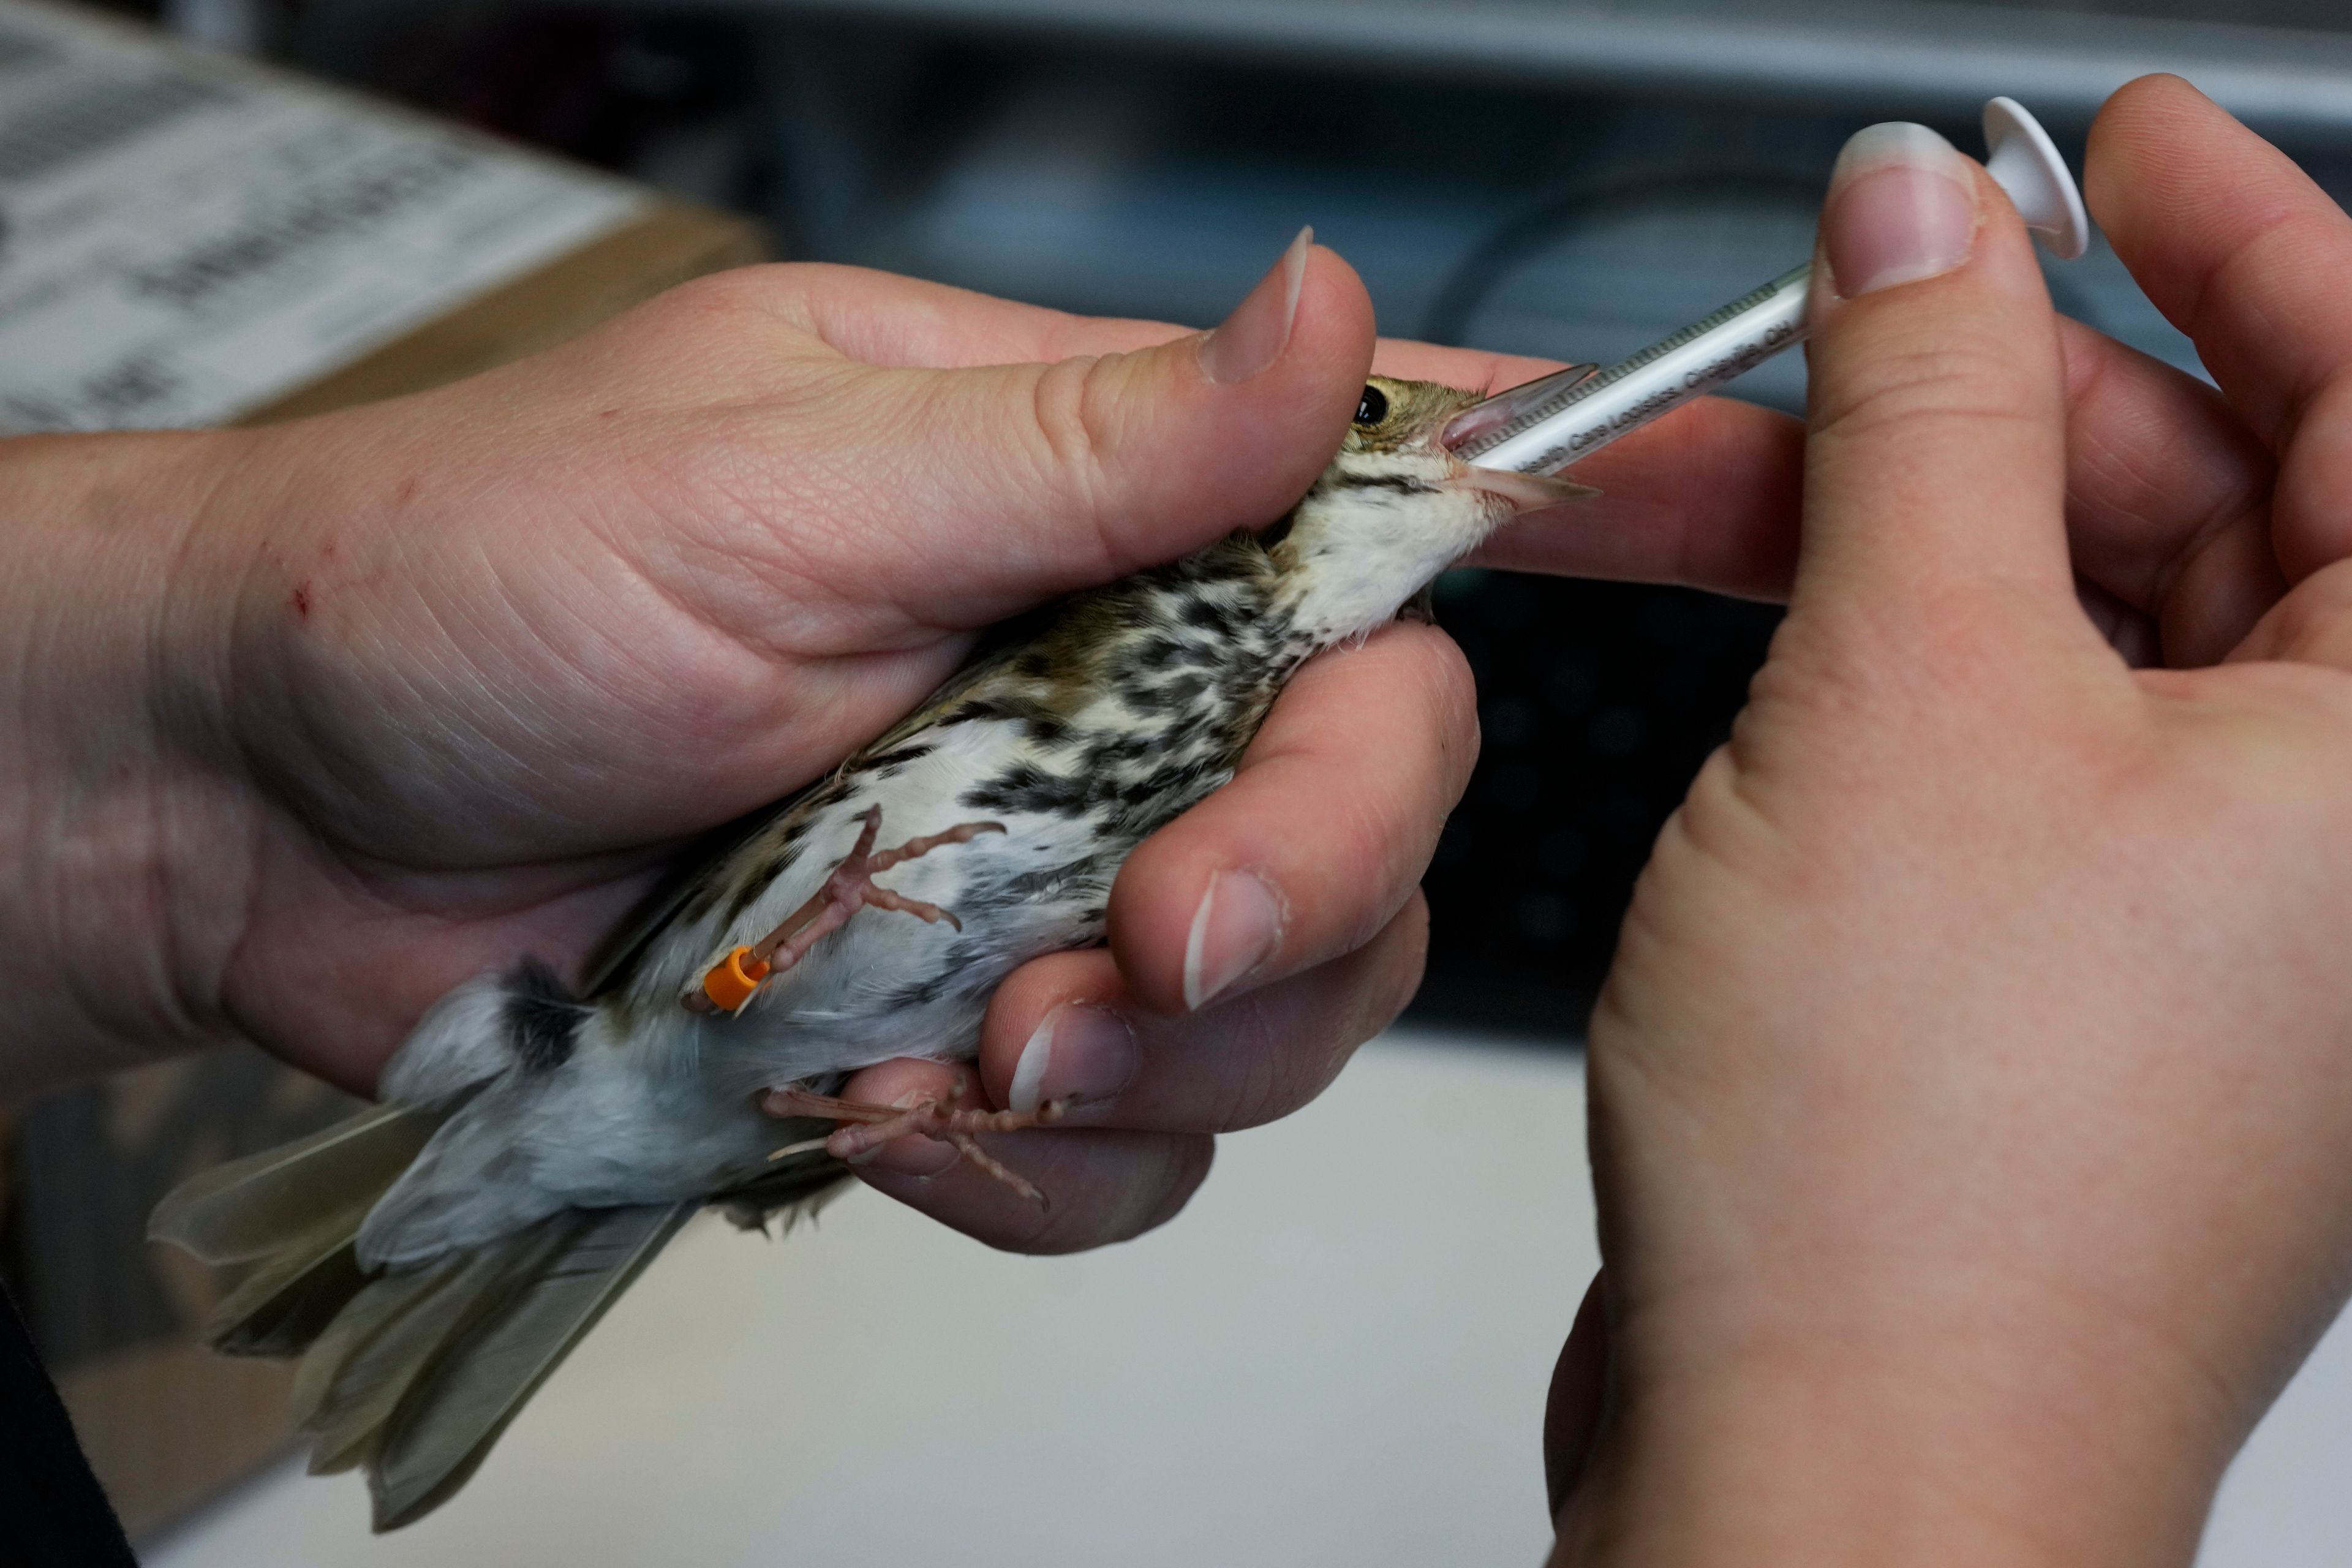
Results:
433 1257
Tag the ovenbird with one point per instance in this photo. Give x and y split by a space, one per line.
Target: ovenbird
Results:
433 1258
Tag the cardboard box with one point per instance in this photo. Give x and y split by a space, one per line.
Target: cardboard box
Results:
670 244
221 291
186 238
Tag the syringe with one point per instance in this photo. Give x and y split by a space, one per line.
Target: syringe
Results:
1543 426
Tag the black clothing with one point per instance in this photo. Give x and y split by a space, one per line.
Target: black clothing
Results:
52 1513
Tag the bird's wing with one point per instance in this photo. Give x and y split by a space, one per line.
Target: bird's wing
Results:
699 866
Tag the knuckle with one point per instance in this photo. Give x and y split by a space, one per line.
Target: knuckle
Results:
1382 864
1069 406
1964 382
1278 1056
768 290
713 292
1288 1044
1262 1087
1397 967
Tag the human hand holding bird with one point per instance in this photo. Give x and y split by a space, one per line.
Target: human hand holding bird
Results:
433 1259
451 675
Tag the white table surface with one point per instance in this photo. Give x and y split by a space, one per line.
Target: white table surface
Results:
1336 1356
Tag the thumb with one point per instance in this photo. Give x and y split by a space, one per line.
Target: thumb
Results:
1005 484
1935 464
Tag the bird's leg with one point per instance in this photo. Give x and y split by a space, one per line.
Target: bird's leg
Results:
848 888
868 1126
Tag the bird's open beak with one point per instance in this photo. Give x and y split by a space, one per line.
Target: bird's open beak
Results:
1526 492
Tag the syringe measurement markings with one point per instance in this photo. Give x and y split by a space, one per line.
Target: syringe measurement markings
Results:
1568 397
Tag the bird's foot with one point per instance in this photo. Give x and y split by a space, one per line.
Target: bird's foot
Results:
868 1126
727 985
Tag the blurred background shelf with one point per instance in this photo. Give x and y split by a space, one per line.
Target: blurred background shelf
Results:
2285 66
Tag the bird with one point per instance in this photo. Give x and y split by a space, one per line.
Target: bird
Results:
538 1140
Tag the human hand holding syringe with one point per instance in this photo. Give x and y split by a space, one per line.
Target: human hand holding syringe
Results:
1542 426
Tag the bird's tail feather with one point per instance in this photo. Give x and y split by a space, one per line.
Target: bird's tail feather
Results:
459 1347
255 1208
416 1371
289 1299
358 1372
291 1211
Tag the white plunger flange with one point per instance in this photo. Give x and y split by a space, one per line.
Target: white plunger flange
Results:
2023 162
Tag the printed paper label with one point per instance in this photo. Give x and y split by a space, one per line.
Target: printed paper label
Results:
185 237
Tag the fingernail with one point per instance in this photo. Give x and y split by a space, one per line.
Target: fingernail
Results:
1251 338
1236 928
1080 1053
1902 206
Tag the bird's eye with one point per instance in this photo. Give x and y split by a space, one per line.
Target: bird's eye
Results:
1372 407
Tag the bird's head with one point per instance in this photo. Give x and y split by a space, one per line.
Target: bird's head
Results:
1394 508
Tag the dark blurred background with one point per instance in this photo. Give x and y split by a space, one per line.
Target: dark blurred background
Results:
1562 178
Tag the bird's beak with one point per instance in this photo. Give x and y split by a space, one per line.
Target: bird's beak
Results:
1526 492
1493 413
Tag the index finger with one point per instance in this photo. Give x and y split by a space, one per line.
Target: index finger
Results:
2232 242
2242 251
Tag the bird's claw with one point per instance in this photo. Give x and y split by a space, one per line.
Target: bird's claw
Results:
868 1126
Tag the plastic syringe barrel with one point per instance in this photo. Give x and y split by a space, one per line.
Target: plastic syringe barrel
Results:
1660 379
